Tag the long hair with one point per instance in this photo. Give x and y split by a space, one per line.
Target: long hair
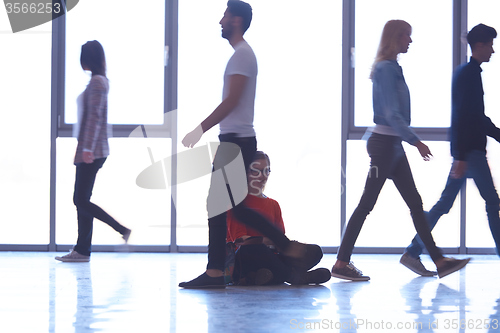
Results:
92 57
389 42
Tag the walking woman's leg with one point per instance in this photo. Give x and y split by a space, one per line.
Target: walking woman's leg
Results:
403 179
86 208
381 154
84 183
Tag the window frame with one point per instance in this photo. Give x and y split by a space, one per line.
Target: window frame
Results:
348 129
352 132
61 129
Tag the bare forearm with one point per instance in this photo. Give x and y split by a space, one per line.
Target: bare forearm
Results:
221 112
237 83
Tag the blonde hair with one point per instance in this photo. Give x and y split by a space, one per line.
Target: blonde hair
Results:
388 47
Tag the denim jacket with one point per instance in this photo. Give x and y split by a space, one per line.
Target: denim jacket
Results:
391 100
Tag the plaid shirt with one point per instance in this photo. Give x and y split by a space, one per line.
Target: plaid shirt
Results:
93 134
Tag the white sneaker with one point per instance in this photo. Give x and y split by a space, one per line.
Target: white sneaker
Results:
74 256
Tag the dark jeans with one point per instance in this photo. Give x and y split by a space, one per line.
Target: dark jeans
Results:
479 171
217 228
388 161
84 183
250 258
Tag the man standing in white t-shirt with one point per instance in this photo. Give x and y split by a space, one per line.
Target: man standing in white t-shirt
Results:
235 116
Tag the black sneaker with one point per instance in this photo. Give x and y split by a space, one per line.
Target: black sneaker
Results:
204 282
126 235
349 272
415 265
318 275
452 265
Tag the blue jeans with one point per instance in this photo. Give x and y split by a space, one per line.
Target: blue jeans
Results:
388 161
86 210
479 171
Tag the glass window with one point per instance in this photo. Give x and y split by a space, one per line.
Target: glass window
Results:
134 42
427 66
145 211
478 232
297 111
484 11
135 55
202 58
430 180
25 160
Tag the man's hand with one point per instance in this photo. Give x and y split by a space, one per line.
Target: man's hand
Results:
424 150
192 137
458 169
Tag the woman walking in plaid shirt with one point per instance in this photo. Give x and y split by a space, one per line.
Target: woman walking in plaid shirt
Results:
91 152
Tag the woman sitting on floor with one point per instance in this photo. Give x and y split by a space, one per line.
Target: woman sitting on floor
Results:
257 261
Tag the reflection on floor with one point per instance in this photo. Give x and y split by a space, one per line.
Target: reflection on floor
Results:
137 292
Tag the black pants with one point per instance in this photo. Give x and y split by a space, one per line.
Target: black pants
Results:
388 161
250 258
84 184
217 224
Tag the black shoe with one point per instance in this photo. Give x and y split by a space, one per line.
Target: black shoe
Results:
451 265
126 235
204 282
318 275
302 256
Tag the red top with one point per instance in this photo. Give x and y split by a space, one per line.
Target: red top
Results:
267 207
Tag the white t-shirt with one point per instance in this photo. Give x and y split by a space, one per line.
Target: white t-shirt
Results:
79 114
240 120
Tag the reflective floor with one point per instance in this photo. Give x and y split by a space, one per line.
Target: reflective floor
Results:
137 292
